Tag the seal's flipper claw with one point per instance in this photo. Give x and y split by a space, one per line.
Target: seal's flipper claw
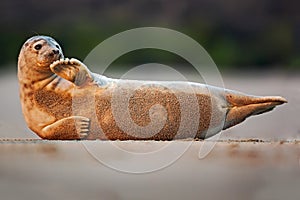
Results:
72 70
241 106
83 127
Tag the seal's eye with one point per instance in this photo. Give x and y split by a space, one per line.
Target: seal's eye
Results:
57 46
38 47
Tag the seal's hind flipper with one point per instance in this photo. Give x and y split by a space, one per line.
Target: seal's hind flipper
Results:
241 106
72 70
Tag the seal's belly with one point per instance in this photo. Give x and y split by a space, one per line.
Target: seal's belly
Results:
50 103
149 111
58 105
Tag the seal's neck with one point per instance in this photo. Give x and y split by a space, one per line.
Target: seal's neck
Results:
33 75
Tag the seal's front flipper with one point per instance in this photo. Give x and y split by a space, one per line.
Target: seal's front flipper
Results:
70 128
72 70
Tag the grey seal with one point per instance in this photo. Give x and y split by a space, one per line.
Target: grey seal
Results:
50 86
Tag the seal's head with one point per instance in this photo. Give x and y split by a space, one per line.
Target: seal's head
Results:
39 52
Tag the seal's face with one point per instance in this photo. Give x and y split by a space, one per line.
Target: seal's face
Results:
43 51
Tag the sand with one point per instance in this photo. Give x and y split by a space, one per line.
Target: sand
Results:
66 170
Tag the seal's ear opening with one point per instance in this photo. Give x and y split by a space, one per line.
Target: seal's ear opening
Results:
242 106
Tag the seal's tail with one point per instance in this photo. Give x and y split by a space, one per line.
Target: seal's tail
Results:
242 106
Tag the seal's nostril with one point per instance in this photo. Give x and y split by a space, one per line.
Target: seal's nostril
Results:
55 51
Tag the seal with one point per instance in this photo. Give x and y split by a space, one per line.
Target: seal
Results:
61 99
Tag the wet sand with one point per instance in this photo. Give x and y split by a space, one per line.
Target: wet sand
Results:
233 170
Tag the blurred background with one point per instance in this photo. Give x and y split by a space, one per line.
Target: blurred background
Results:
255 45
237 34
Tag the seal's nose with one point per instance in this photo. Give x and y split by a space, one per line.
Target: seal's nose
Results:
55 51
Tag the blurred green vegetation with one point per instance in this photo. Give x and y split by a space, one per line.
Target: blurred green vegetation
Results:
237 34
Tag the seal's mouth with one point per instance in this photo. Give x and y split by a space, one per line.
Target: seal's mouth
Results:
47 60
55 57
